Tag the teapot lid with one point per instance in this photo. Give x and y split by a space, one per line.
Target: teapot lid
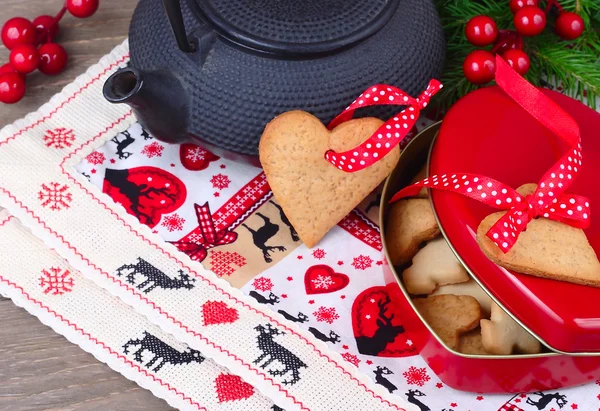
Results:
293 27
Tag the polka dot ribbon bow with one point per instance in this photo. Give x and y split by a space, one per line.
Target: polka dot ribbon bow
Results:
549 199
390 134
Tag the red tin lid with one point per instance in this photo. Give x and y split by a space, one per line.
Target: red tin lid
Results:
479 135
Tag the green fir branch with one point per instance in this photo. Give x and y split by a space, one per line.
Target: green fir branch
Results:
574 65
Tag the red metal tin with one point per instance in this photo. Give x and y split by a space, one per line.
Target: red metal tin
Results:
495 374
476 373
487 133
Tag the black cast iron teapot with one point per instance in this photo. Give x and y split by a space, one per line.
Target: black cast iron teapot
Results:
215 72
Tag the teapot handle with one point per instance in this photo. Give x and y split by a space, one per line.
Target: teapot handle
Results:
173 11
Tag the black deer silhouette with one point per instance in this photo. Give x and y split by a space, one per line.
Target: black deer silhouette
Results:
411 397
545 399
145 134
383 381
263 234
272 351
163 352
123 144
154 277
134 192
285 221
301 318
385 333
374 203
333 337
271 300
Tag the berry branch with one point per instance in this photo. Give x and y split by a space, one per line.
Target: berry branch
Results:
31 47
527 40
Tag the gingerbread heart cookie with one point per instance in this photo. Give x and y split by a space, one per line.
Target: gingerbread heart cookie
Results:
314 194
471 343
411 222
547 249
450 316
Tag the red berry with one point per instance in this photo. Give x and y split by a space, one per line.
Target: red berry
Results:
42 23
479 67
53 58
12 88
518 60
569 25
515 5
24 58
82 8
481 30
18 31
8 68
530 21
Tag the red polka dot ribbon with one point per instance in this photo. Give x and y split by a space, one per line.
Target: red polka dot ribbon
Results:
549 199
390 134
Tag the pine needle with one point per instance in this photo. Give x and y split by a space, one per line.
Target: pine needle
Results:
572 65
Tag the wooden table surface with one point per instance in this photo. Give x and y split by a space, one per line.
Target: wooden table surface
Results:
40 370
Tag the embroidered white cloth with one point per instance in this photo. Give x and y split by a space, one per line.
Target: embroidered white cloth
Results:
113 331
298 325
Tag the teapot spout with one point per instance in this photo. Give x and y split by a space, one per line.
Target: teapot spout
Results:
158 100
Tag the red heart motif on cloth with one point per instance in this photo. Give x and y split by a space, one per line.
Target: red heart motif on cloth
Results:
321 279
145 192
217 312
232 388
195 158
385 325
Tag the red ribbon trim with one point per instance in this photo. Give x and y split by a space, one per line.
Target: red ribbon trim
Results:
198 250
390 134
549 199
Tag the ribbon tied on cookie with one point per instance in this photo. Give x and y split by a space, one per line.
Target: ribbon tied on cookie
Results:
549 200
390 134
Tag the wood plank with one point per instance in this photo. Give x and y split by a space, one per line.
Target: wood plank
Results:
85 40
40 370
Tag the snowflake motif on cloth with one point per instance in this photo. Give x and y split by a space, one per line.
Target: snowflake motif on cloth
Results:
322 281
56 281
195 158
55 196
173 222
326 315
59 138
362 262
153 150
220 181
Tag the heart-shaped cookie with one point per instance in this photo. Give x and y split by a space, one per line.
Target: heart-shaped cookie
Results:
314 194
547 249
450 316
